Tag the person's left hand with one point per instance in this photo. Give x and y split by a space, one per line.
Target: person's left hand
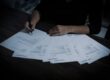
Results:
58 30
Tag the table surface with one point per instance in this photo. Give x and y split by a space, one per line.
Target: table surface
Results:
13 21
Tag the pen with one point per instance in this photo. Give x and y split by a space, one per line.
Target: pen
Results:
30 25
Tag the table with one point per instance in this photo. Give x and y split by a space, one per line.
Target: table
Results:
19 68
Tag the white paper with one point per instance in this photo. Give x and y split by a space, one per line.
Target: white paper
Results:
55 49
22 43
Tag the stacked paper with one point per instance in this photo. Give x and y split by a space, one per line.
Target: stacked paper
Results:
56 49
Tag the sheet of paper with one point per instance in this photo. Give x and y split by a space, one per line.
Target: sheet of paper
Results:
55 49
22 43
89 50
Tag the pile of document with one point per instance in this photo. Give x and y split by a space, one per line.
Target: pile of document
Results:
56 49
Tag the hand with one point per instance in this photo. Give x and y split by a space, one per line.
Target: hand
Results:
59 30
27 25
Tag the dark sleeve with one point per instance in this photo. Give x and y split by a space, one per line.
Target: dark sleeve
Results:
42 6
95 13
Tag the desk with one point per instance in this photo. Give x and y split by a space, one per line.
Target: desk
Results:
17 68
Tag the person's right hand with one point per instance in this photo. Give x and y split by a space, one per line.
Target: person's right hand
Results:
32 27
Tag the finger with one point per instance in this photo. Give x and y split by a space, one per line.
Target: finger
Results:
33 27
56 34
51 32
27 26
54 30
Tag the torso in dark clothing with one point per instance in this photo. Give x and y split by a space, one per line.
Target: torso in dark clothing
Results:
73 12
63 12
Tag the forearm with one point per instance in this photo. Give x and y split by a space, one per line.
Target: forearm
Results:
35 17
81 29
